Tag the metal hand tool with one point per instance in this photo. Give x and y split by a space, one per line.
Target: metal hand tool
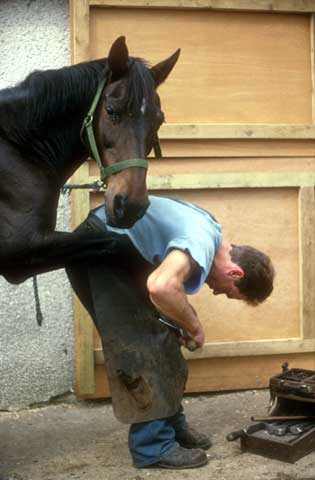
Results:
241 433
189 343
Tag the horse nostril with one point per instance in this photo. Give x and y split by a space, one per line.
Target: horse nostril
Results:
120 202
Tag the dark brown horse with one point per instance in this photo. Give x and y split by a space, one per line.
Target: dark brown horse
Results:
42 143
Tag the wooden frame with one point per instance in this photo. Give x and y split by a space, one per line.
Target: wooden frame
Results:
312 30
296 6
237 131
240 349
304 182
228 180
80 51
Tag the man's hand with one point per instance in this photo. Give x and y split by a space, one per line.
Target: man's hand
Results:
190 343
166 289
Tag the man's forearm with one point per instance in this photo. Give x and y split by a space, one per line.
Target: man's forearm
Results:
177 308
166 289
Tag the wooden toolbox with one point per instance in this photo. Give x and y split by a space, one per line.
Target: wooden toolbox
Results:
288 433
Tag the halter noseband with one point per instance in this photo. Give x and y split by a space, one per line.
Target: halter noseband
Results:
87 125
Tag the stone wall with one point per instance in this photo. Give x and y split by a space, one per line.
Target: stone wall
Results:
36 363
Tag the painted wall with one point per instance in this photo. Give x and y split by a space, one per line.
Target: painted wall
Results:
36 363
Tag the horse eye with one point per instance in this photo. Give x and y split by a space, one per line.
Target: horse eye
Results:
109 109
114 116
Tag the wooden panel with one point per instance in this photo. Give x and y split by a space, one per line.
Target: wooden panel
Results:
220 374
239 148
247 217
307 266
252 348
80 30
239 349
301 6
237 68
222 166
85 371
236 148
101 385
83 324
231 180
184 166
240 373
247 131
228 181
313 62
269 155
210 156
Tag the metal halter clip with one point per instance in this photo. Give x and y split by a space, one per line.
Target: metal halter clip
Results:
88 120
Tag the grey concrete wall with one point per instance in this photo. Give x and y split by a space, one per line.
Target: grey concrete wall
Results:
36 363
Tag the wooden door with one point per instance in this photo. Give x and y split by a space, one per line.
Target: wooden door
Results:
239 141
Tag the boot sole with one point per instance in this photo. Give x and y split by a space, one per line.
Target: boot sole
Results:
205 446
201 463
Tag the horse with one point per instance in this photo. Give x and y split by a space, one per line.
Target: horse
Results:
49 125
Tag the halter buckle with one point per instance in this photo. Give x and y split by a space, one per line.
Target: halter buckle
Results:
88 121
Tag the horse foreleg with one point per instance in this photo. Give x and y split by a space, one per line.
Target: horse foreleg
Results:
55 251
67 247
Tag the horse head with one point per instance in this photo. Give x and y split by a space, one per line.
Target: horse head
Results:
127 119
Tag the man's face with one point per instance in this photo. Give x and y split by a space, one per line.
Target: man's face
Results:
224 284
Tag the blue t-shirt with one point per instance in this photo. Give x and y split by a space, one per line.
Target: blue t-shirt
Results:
170 224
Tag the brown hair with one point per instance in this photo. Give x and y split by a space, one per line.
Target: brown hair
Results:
257 283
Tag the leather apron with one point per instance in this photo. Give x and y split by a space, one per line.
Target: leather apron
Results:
146 369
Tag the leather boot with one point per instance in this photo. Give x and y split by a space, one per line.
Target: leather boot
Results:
191 438
182 458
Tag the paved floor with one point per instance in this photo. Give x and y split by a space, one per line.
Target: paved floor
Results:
83 440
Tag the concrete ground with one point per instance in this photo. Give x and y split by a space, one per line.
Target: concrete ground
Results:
83 440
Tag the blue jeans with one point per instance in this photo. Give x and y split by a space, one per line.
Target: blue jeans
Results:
151 441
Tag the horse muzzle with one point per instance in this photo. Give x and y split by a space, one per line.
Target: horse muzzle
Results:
125 213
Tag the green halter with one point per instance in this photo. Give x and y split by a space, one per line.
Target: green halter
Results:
87 125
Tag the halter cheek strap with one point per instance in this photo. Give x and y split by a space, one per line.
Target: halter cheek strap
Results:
87 125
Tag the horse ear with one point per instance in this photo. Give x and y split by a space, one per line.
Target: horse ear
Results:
118 58
162 70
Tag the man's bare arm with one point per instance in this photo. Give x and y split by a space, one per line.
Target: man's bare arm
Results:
166 289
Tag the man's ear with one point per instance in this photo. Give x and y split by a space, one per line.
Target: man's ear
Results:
236 273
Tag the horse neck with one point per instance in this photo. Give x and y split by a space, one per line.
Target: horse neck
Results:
43 115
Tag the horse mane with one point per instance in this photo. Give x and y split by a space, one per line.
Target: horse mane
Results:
46 96
36 114
55 93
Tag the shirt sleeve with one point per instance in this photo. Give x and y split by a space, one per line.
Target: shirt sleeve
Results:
202 251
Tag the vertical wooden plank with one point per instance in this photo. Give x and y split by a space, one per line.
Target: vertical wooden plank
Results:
80 198
307 256
80 51
80 30
312 32
85 367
